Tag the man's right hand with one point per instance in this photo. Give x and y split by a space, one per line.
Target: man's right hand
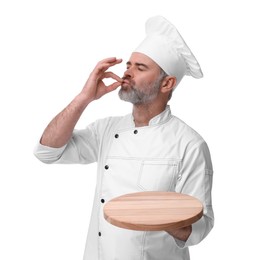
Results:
60 129
95 88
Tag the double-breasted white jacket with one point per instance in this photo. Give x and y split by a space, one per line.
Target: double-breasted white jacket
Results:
166 155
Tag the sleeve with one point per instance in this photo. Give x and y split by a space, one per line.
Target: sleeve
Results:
82 148
196 180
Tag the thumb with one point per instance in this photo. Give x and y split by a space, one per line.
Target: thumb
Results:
113 86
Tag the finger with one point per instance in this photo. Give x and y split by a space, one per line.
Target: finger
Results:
117 61
113 87
112 60
107 63
110 74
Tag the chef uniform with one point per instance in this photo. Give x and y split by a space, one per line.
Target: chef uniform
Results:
166 155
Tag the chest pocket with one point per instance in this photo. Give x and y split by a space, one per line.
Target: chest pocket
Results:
158 175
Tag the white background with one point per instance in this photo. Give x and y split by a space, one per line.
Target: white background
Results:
47 50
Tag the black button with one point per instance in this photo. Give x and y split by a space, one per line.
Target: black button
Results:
117 135
135 132
106 167
102 200
99 234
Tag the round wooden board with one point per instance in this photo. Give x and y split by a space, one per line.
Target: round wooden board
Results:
153 210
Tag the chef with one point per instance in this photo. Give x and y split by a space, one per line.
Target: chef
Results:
147 150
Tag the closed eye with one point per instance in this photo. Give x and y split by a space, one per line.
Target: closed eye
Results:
140 66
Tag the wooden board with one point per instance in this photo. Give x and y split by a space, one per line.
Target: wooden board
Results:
153 210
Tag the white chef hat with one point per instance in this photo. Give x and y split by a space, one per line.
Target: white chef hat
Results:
164 45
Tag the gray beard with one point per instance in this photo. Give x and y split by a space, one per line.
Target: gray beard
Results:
139 97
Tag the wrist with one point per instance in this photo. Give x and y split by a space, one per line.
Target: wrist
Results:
83 100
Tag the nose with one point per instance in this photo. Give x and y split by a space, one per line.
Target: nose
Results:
128 73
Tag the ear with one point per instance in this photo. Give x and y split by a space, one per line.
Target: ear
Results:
168 84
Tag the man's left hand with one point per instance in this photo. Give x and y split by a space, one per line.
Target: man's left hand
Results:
180 233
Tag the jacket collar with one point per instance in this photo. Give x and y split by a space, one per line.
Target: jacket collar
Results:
159 119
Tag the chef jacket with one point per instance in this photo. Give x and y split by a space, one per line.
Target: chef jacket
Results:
166 155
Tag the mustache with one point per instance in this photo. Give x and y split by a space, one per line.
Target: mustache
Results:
128 81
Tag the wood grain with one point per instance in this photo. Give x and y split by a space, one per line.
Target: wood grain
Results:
153 211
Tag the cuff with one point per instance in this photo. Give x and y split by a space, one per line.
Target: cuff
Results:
183 244
48 154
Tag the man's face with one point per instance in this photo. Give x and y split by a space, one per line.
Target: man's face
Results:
141 80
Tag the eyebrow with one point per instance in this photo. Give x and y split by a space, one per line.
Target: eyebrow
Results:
138 64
